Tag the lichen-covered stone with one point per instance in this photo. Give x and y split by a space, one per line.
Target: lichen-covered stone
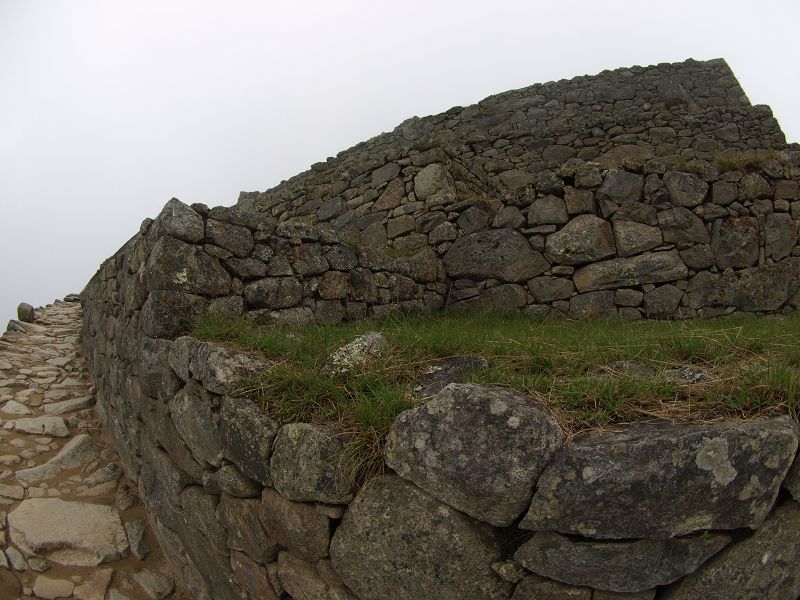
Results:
178 266
632 237
357 354
253 577
180 221
168 313
500 254
735 242
234 238
547 210
396 541
500 298
753 186
295 525
664 480
662 301
431 180
685 189
652 267
621 187
780 235
681 226
273 292
308 259
585 239
218 368
302 580
629 566
765 288
308 464
476 448
247 437
763 565
593 304
548 289
245 531
196 425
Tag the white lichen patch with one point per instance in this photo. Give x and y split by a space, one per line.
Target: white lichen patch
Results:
182 276
513 422
497 406
713 457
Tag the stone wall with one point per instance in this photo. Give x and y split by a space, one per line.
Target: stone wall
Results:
483 496
650 242
588 197
687 110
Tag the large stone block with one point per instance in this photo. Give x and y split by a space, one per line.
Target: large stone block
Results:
432 180
253 577
735 242
585 239
247 437
780 235
652 267
549 210
396 541
178 266
664 480
218 368
160 485
685 189
765 288
479 449
499 254
274 292
233 238
302 580
308 464
294 525
621 187
633 238
245 531
501 298
630 566
194 420
167 313
761 566
180 221
681 226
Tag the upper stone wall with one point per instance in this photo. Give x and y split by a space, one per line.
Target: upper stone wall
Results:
681 111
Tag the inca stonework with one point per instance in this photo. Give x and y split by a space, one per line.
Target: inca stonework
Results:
655 192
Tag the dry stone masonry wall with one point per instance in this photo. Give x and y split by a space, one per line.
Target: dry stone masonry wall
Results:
596 196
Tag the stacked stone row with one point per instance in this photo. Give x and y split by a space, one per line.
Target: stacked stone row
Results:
691 110
193 260
482 496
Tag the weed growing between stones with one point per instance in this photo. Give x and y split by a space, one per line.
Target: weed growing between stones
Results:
750 160
591 373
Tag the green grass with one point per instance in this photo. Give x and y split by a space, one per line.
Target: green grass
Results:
754 361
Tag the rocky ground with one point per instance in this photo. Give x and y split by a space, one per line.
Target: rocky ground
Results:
71 524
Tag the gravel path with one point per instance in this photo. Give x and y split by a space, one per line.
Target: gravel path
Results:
71 524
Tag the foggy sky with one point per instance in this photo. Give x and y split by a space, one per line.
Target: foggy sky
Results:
108 109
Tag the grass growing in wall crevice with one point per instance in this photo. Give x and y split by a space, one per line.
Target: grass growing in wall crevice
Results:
751 364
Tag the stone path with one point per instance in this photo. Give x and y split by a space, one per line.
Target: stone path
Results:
71 525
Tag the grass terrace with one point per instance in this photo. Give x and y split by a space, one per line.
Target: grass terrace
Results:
750 363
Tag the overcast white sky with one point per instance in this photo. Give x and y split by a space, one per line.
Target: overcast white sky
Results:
108 109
